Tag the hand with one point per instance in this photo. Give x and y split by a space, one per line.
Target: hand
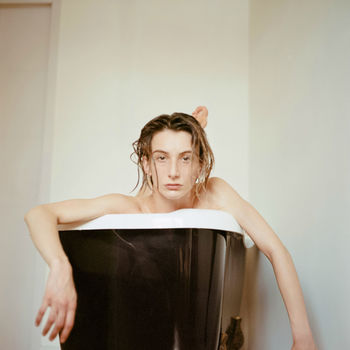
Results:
201 114
61 296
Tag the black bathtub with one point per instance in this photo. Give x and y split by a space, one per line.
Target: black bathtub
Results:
155 281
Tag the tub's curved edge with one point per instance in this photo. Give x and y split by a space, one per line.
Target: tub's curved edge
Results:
183 218
247 241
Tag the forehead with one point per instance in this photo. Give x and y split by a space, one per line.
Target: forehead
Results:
171 141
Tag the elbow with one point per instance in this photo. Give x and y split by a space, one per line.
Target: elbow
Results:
33 212
29 213
276 251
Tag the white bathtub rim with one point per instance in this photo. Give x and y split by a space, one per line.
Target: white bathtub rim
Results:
183 218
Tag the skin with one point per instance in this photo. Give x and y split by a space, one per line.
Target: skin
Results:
172 162
201 114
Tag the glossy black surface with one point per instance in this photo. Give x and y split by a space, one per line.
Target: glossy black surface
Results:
146 289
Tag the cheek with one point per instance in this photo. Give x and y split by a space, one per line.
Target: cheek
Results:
158 171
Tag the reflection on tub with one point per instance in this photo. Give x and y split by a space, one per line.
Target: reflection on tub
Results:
155 281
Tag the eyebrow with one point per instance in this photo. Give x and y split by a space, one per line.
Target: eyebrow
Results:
161 151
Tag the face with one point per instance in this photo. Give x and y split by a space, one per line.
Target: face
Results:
173 166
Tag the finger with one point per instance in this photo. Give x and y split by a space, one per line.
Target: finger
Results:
203 111
197 110
58 324
68 325
41 312
50 320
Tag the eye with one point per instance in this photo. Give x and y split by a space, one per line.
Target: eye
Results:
186 159
160 158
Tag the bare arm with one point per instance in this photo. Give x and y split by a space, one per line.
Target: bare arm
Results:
42 220
269 243
42 223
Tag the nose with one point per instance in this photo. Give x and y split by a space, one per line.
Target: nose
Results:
173 170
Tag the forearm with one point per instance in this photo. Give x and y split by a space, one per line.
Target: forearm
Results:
42 225
291 292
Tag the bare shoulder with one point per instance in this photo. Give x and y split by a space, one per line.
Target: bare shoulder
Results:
225 198
73 210
222 194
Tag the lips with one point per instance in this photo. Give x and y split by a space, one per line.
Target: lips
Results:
173 186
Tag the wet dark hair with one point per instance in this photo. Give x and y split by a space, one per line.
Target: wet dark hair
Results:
175 122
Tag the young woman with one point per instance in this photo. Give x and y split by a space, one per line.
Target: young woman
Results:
175 159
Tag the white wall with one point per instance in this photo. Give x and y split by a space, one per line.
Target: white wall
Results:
24 51
122 63
299 163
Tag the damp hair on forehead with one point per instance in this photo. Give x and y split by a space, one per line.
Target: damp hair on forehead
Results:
176 122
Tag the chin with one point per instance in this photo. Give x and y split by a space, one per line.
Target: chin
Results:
174 194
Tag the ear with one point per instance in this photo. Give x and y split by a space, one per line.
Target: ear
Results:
197 171
146 165
200 171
